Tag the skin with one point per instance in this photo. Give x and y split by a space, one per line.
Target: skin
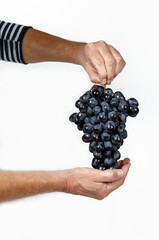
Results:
103 63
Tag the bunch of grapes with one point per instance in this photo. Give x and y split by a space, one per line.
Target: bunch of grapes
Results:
102 118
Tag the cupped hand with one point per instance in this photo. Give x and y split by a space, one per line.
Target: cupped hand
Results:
95 183
102 62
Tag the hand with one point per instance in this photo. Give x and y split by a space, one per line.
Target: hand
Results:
101 61
95 183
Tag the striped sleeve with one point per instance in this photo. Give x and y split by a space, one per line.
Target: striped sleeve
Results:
11 37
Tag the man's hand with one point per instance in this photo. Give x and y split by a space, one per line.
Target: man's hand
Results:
101 61
95 183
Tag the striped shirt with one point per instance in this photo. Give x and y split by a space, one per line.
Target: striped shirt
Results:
11 37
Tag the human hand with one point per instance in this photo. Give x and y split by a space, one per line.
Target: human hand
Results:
95 183
101 61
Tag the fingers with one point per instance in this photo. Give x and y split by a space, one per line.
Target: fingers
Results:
125 165
120 63
109 175
102 62
109 60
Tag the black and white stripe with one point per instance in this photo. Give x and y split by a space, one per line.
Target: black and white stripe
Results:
11 37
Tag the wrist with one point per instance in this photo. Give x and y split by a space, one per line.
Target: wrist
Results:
78 52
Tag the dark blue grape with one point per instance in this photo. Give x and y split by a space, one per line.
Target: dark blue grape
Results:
105 136
123 106
85 98
89 111
107 153
113 116
133 110
108 91
108 145
109 126
73 117
106 107
102 117
93 120
86 137
100 147
96 163
95 136
133 101
102 167
116 155
121 128
116 139
114 102
87 128
97 128
87 120
108 161
122 117
97 110
92 102
97 155
92 146
119 96
124 134
80 116
80 127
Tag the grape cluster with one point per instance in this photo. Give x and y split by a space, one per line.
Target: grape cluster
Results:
102 118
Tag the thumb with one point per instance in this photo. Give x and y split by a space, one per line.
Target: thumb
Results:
109 175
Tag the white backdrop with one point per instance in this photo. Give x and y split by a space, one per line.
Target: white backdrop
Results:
35 134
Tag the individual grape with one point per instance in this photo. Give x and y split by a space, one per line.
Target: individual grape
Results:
80 127
97 110
92 102
116 155
102 117
86 97
97 128
96 162
99 147
73 117
80 116
119 96
86 137
89 111
109 126
93 120
122 117
114 102
102 167
133 101
124 134
97 155
112 116
107 153
106 107
108 161
95 136
116 139
108 145
105 136
133 110
92 146
123 106
97 91
108 91
88 128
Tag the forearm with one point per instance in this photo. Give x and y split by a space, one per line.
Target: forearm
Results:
38 46
19 184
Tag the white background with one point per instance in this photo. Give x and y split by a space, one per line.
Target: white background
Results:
35 134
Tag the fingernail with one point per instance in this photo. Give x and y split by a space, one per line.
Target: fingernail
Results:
120 173
104 81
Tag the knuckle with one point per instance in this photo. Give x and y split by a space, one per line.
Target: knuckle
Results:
89 47
99 61
102 42
111 62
